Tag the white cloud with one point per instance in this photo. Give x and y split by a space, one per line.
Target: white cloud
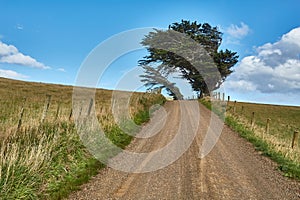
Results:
7 49
238 32
240 85
19 27
292 37
21 59
10 54
11 74
61 70
275 68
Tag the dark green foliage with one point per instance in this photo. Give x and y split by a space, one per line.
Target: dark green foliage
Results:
118 137
196 65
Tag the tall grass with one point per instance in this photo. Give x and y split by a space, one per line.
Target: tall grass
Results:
276 143
284 120
47 160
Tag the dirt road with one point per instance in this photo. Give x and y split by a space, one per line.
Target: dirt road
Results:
232 170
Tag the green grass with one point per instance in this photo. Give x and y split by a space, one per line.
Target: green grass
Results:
284 119
288 167
288 163
48 160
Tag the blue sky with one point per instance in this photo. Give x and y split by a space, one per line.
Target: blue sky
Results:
47 41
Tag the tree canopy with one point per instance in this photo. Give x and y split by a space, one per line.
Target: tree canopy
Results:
190 49
154 78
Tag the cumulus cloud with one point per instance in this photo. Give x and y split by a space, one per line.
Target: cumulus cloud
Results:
241 85
238 32
10 54
11 74
275 67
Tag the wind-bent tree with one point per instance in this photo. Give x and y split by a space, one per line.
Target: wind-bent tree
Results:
192 50
154 78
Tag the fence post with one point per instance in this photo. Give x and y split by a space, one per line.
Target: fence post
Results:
219 96
252 120
57 111
228 99
20 119
223 98
21 113
295 139
71 113
90 106
234 107
268 126
267 131
46 108
80 110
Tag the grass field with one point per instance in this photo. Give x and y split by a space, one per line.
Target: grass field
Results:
277 141
44 157
284 120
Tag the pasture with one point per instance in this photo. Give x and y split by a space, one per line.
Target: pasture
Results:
41 154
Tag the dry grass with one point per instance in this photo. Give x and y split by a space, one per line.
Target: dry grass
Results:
284 120
45 159
276 143
33 96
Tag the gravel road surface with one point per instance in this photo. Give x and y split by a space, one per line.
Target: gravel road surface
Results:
232 170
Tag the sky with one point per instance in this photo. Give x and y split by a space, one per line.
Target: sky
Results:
49 41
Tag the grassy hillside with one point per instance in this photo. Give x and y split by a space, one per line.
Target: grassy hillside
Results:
284 119
45 159
276 141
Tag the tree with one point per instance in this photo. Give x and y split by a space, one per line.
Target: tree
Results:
192 50
154 78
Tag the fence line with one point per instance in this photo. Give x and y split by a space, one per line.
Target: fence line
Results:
266 131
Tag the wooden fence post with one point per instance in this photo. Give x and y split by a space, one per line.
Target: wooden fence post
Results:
80 110
234 106
223 98
46 108
252 120
295 139
57 111
82 102
20 119
90 106
219 96
21 114
267 130
228 99
268 126
71 114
